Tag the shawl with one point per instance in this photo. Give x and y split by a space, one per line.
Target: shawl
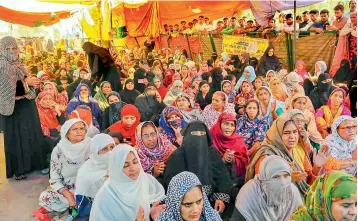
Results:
303 73
178 187
234 142
326 189
279 105
11 71
120 196
84 114
48 116
128 96
166 129
269 62
173 93
278 89
114 111
168 77
101 97
253 199
273 145
292 78
148 156
162 90
341 149
79 152
249 95
232 93
243 77
127 132
95 168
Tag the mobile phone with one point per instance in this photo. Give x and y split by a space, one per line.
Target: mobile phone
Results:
128 139
305 126
174 124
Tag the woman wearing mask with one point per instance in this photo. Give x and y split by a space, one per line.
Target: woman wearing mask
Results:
101 95
112 114
129 94
174 91
312 80
187 108
171 122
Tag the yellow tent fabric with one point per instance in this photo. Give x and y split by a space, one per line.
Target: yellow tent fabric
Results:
71 2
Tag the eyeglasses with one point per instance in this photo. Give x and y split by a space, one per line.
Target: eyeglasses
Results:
147 136
299 120
348 128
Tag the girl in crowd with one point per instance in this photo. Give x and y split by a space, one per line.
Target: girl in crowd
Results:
186 200
130 119
258 82
197 155
343 146
93 173
247 90
101 95
66 158
335 107
219 105
60 99
248 75
270 108
162 90
300 69
129 94
171 122
185 77
333 196
84 97
270 195
269 61
174 91
312 80
153 149
129 191
251 126
84 113
204 96
187 108
112 114
278 89
269 75
227 89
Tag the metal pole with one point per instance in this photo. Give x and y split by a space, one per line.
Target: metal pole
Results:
294 35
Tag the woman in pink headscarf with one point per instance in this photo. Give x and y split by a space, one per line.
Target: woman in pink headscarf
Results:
300 69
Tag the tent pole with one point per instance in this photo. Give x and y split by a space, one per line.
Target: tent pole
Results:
294 36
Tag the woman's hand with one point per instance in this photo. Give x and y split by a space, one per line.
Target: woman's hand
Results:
158 169
219 206
298 176
320 158
159 98
69 197
32 81
156 210
228 155
140 215
304 134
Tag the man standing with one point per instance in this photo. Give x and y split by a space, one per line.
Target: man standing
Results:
313 16
350 30
323 24
305 18
340 20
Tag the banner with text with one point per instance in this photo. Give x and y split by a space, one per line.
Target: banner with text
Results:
241 44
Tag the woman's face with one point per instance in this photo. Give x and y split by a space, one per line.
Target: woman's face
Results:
337 98
233 81
270 52
63 72
300 67
165 66
158 72
149 137
130 86
183 103
290 136
293 91
205 88
174 117
84 92
106 149
317 68
47 101
300 104
221 65
257 83
264 96
129 120
247 74
218 102
347 130
252 109
269 76
184 72
192 205
299 120
178 88
204 67
49 89
194 71
131 167
228 128
113 99
227 88
106 88
77 132
157 83
345 209
245 88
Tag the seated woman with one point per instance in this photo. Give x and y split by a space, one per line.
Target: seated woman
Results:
93 173
269 61
313 79
269 75
129 191
184 191
173 92
342 144
270 108
232 149
66 158
117 137
320 94
247 90
281 139
171 122
300 69
333 196
187 108
112 114
297 89
204 96
162 90
227 89
278 89
251 126
60 99
101 95
326 115
219 105
248 75
153 149
84 113
197 155
129 94
83 97
128 124
258 82
270 195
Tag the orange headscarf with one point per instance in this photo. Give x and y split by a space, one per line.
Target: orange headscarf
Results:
48 116
277 89
83 114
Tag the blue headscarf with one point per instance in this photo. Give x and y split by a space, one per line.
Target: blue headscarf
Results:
251 78
163 123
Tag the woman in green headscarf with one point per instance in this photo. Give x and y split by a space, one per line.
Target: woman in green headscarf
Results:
332 197
101 95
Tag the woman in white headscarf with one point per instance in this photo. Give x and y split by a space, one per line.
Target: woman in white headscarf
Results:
310 83
270 195
93 173
173 93
129 191
66 159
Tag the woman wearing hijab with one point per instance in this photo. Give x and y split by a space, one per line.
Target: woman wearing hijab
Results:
139 80
66 158
326 115
60 99
84 113
270 108
162 90
219 105
226 87
333 196
217 78
258 82
93 173
129 191
248 75
343 146
173 92
168 77
300 69
23 137
204 96
130 118
129 94
112 114
278 89
185 189
313 80
290 80
251 126
84 97
101 95
171 122
269 61
270 195
320 95
297 89
247 90
344 74
197 155
269 75
187 108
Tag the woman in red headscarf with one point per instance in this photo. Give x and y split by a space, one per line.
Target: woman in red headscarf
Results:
130 119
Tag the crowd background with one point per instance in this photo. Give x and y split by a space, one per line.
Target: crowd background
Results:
146 134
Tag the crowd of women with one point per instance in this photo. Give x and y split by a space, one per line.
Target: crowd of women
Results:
154 136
